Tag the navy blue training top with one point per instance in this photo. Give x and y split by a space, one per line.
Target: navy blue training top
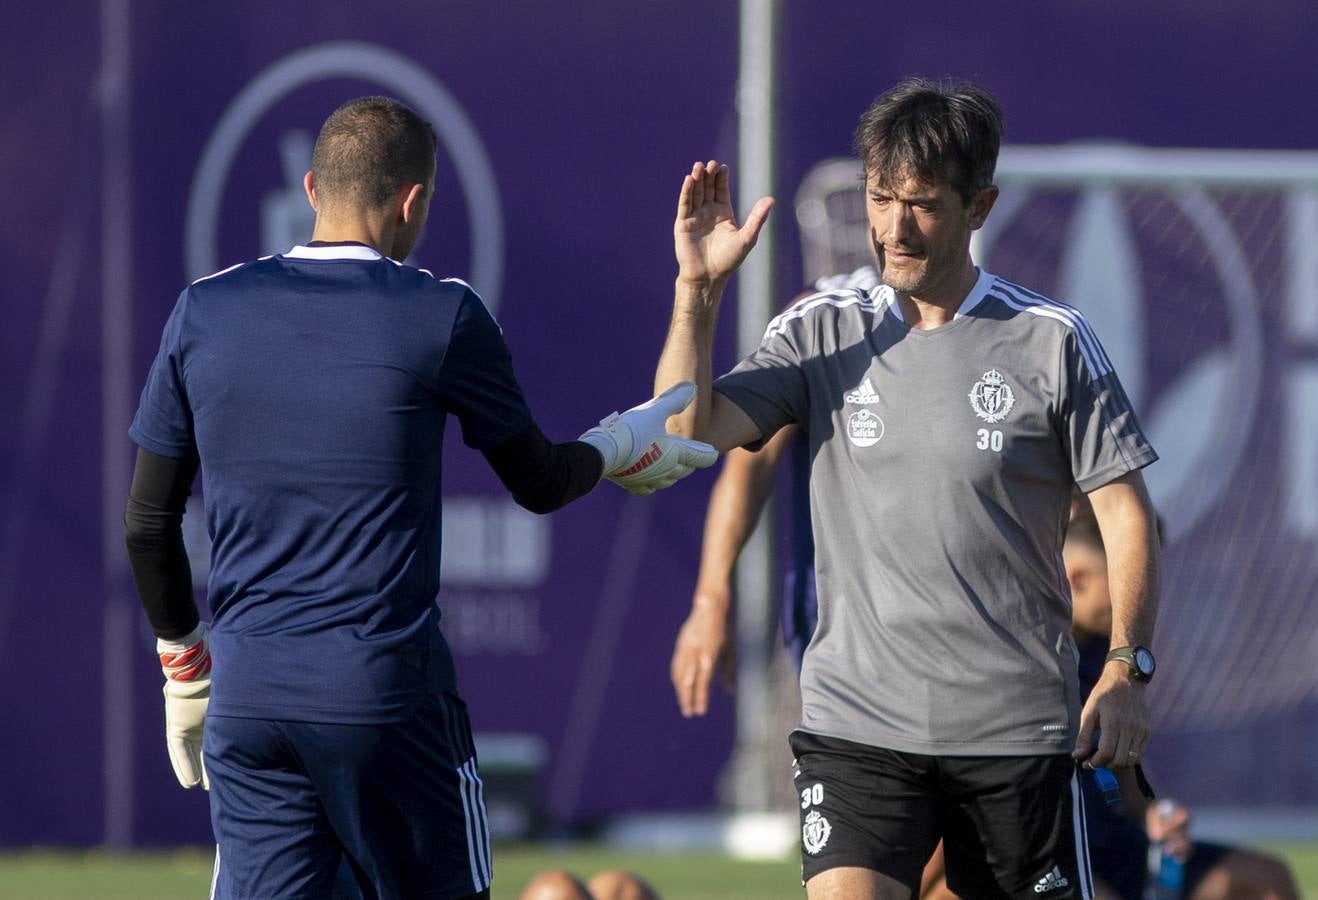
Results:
314 388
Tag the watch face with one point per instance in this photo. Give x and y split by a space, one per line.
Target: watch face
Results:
1144 662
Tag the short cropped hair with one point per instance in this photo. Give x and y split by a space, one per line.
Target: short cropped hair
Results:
369 149
935 131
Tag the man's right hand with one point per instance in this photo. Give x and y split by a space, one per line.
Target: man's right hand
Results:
640 454
704 645
708 243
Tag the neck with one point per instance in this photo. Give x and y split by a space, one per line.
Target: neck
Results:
373 231
938 304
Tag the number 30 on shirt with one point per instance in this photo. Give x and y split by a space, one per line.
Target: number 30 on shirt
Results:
989 440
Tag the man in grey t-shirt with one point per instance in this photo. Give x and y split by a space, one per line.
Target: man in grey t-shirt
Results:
949 412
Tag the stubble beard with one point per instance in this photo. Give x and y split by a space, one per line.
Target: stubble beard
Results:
909 280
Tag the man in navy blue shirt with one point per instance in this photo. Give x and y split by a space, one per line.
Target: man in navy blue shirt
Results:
311 389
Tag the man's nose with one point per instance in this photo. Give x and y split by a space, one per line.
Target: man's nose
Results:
898 224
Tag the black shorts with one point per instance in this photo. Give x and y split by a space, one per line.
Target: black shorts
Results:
1009 824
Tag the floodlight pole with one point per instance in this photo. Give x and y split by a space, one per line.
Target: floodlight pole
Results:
757 296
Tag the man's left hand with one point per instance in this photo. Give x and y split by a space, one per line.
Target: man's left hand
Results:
187 666
1116 710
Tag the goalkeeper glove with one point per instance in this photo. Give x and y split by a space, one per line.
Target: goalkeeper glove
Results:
638 451
187 666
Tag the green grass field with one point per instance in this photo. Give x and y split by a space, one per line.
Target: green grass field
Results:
46 875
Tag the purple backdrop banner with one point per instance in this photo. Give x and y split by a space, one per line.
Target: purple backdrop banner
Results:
149 143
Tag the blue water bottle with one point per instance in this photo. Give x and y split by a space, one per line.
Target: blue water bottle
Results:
1166 876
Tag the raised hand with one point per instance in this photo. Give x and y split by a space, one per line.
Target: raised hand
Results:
709 244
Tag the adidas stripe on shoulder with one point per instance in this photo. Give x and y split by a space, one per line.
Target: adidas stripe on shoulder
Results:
863 279
836 299
1025 300
230 269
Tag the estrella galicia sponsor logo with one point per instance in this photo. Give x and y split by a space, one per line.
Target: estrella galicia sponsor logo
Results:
864 428
992 398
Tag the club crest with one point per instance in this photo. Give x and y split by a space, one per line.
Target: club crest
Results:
992 398
815 832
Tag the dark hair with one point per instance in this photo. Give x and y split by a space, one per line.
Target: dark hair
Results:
947 131
369 149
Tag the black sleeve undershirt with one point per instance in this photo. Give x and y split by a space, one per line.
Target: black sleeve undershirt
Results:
153 531
542 476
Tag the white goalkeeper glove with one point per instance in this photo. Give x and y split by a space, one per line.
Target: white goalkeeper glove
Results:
187 667
638 451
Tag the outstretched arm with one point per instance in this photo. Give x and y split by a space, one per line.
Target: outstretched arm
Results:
1116 705
704 643
159 561
709 246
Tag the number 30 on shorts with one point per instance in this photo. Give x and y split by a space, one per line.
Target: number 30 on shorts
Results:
812 796
989 440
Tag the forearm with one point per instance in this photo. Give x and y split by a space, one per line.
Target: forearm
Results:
542 476
1130 534
153 534
735 505
688 353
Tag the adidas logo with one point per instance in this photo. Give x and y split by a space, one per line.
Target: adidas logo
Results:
863 395
1053 881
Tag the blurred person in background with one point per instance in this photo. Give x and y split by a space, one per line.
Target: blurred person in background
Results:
1120 835
704 648
311 389
612 884
949 414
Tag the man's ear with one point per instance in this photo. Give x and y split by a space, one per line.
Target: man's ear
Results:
309 185
411 202
981 204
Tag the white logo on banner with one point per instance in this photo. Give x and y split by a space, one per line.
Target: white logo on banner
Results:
285 215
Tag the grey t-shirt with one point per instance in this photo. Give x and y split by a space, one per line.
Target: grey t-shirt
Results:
940 483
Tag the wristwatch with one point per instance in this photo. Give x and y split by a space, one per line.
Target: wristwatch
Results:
1139 659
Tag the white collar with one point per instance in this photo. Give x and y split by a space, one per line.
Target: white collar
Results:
335 251
977 293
